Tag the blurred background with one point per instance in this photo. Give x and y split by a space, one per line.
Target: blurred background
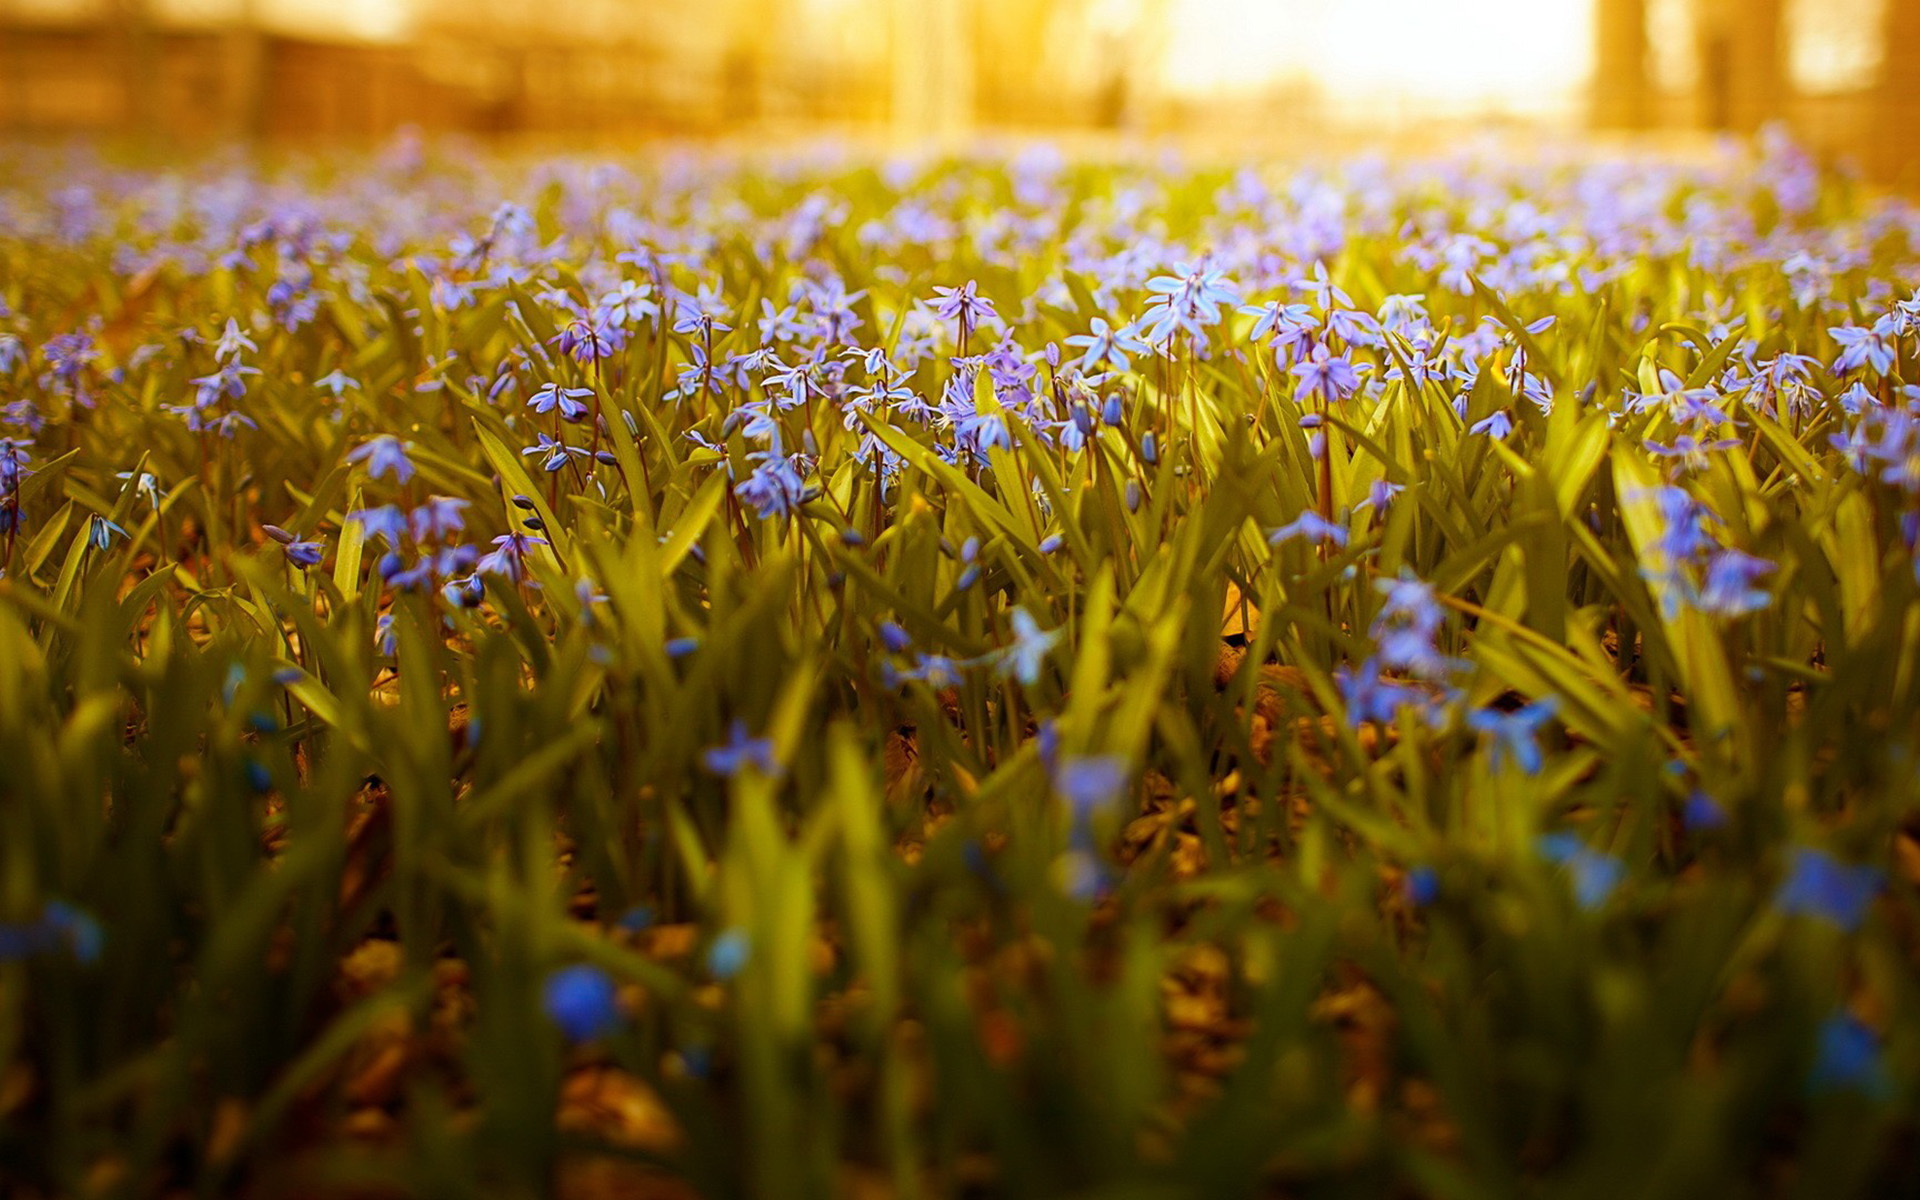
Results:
1271 74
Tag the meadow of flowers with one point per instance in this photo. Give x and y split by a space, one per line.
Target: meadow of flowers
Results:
818 675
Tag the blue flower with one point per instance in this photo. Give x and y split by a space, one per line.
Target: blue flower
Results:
934 670
583 1002
1421 886
1848 1058
635 919
1107 345
509 556
300 554
567 400
1024 658
1595 875
59 924
258 777
1085 876
1091 784
78 929
1862 348
336 381
384 455
1407 626
740 751
964 304
101 532
1369 697
386 521
775 489
1332 377
1311 526
1497 426
1728 590
697 1061
1188 300
728 954
1819 885
1326 294
556 452
1514 735
1702 811
438 516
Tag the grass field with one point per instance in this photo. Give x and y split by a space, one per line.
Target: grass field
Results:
817 676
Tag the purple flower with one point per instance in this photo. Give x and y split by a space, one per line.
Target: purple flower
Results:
1288 326
964 304
1107 345
232 342
300 554
1862 348
552 396
1330 376
1683 404
934 670
68 354
384 455
386 521
1311 526
1188 300
1407 628
1497 426
1367 696
1325 294
438 516
775 489
740 751
1692 453
589 341
1821 886
556 452
509 556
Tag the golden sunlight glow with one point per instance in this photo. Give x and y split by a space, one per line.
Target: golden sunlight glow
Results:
1521 56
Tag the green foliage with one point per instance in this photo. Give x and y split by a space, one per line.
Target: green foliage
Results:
320 820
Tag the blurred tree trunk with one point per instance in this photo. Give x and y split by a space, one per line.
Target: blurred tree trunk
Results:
932 69
246 72
13 73
1895 127
752 62
140 80
1743 62
1621 91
